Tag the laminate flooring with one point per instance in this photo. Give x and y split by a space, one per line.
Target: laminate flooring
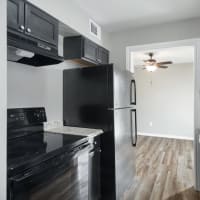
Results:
164 170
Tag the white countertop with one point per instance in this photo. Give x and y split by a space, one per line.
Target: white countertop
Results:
77 131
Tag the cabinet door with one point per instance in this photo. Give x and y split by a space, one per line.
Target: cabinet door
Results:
90 50
94 175
15 15
103 56
40 25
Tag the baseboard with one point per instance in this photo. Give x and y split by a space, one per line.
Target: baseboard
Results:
165 136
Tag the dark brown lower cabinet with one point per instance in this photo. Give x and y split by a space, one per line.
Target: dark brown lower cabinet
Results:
94 171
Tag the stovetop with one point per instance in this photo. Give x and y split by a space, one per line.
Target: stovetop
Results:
23 152
29 144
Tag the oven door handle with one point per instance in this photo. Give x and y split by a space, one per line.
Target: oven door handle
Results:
60 166
57 166
23 177
27 176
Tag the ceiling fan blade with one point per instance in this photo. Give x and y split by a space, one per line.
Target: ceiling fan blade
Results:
163 67
165 63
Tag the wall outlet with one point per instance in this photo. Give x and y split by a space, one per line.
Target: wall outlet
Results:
53 124
150 124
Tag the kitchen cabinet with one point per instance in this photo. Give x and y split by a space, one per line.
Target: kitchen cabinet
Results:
40 25
79 48
26 18
103 56
90 50
94 171
15 15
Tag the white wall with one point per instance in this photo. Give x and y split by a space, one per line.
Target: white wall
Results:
152 34
68 12
3 108
29 86
32 87
168 103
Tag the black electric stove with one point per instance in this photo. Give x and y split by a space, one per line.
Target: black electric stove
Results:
29 144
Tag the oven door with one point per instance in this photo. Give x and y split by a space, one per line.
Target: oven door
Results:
60 178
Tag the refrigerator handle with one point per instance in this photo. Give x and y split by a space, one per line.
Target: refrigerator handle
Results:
134 128
133 86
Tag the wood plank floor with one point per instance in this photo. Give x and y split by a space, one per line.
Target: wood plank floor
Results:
164 169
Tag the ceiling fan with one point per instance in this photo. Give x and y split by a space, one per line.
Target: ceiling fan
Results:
151 64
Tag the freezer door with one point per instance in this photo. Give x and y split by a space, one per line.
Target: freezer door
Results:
123 88
124 152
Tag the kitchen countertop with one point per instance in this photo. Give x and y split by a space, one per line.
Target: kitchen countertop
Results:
77 131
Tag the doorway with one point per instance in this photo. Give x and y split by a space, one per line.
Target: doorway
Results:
152 84
165 96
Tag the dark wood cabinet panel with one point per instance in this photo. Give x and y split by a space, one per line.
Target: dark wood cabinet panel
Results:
103 56
15 15
25 18
94 171
82 49
40 25
90 50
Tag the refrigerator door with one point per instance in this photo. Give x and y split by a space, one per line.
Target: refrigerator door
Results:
123 88
124 152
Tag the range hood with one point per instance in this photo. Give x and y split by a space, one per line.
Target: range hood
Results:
30 51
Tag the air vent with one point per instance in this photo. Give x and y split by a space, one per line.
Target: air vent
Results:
95 29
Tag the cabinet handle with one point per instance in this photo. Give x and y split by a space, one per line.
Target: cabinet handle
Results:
28 30
22 28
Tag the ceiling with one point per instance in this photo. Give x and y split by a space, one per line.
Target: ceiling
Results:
116 15
177 55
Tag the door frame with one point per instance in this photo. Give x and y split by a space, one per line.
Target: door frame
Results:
196 44
3 100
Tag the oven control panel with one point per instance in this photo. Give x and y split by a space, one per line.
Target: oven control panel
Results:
26 116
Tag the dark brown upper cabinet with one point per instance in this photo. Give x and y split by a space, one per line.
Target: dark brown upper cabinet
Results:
25 18
15 15
90 50
103 55
83 50
40 25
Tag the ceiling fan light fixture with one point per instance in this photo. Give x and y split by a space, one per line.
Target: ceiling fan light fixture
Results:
151 68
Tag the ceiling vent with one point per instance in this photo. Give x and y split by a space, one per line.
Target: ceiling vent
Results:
95 29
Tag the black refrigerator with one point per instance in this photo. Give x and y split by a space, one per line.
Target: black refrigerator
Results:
104 97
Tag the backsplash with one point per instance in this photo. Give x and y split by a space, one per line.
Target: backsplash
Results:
53 124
